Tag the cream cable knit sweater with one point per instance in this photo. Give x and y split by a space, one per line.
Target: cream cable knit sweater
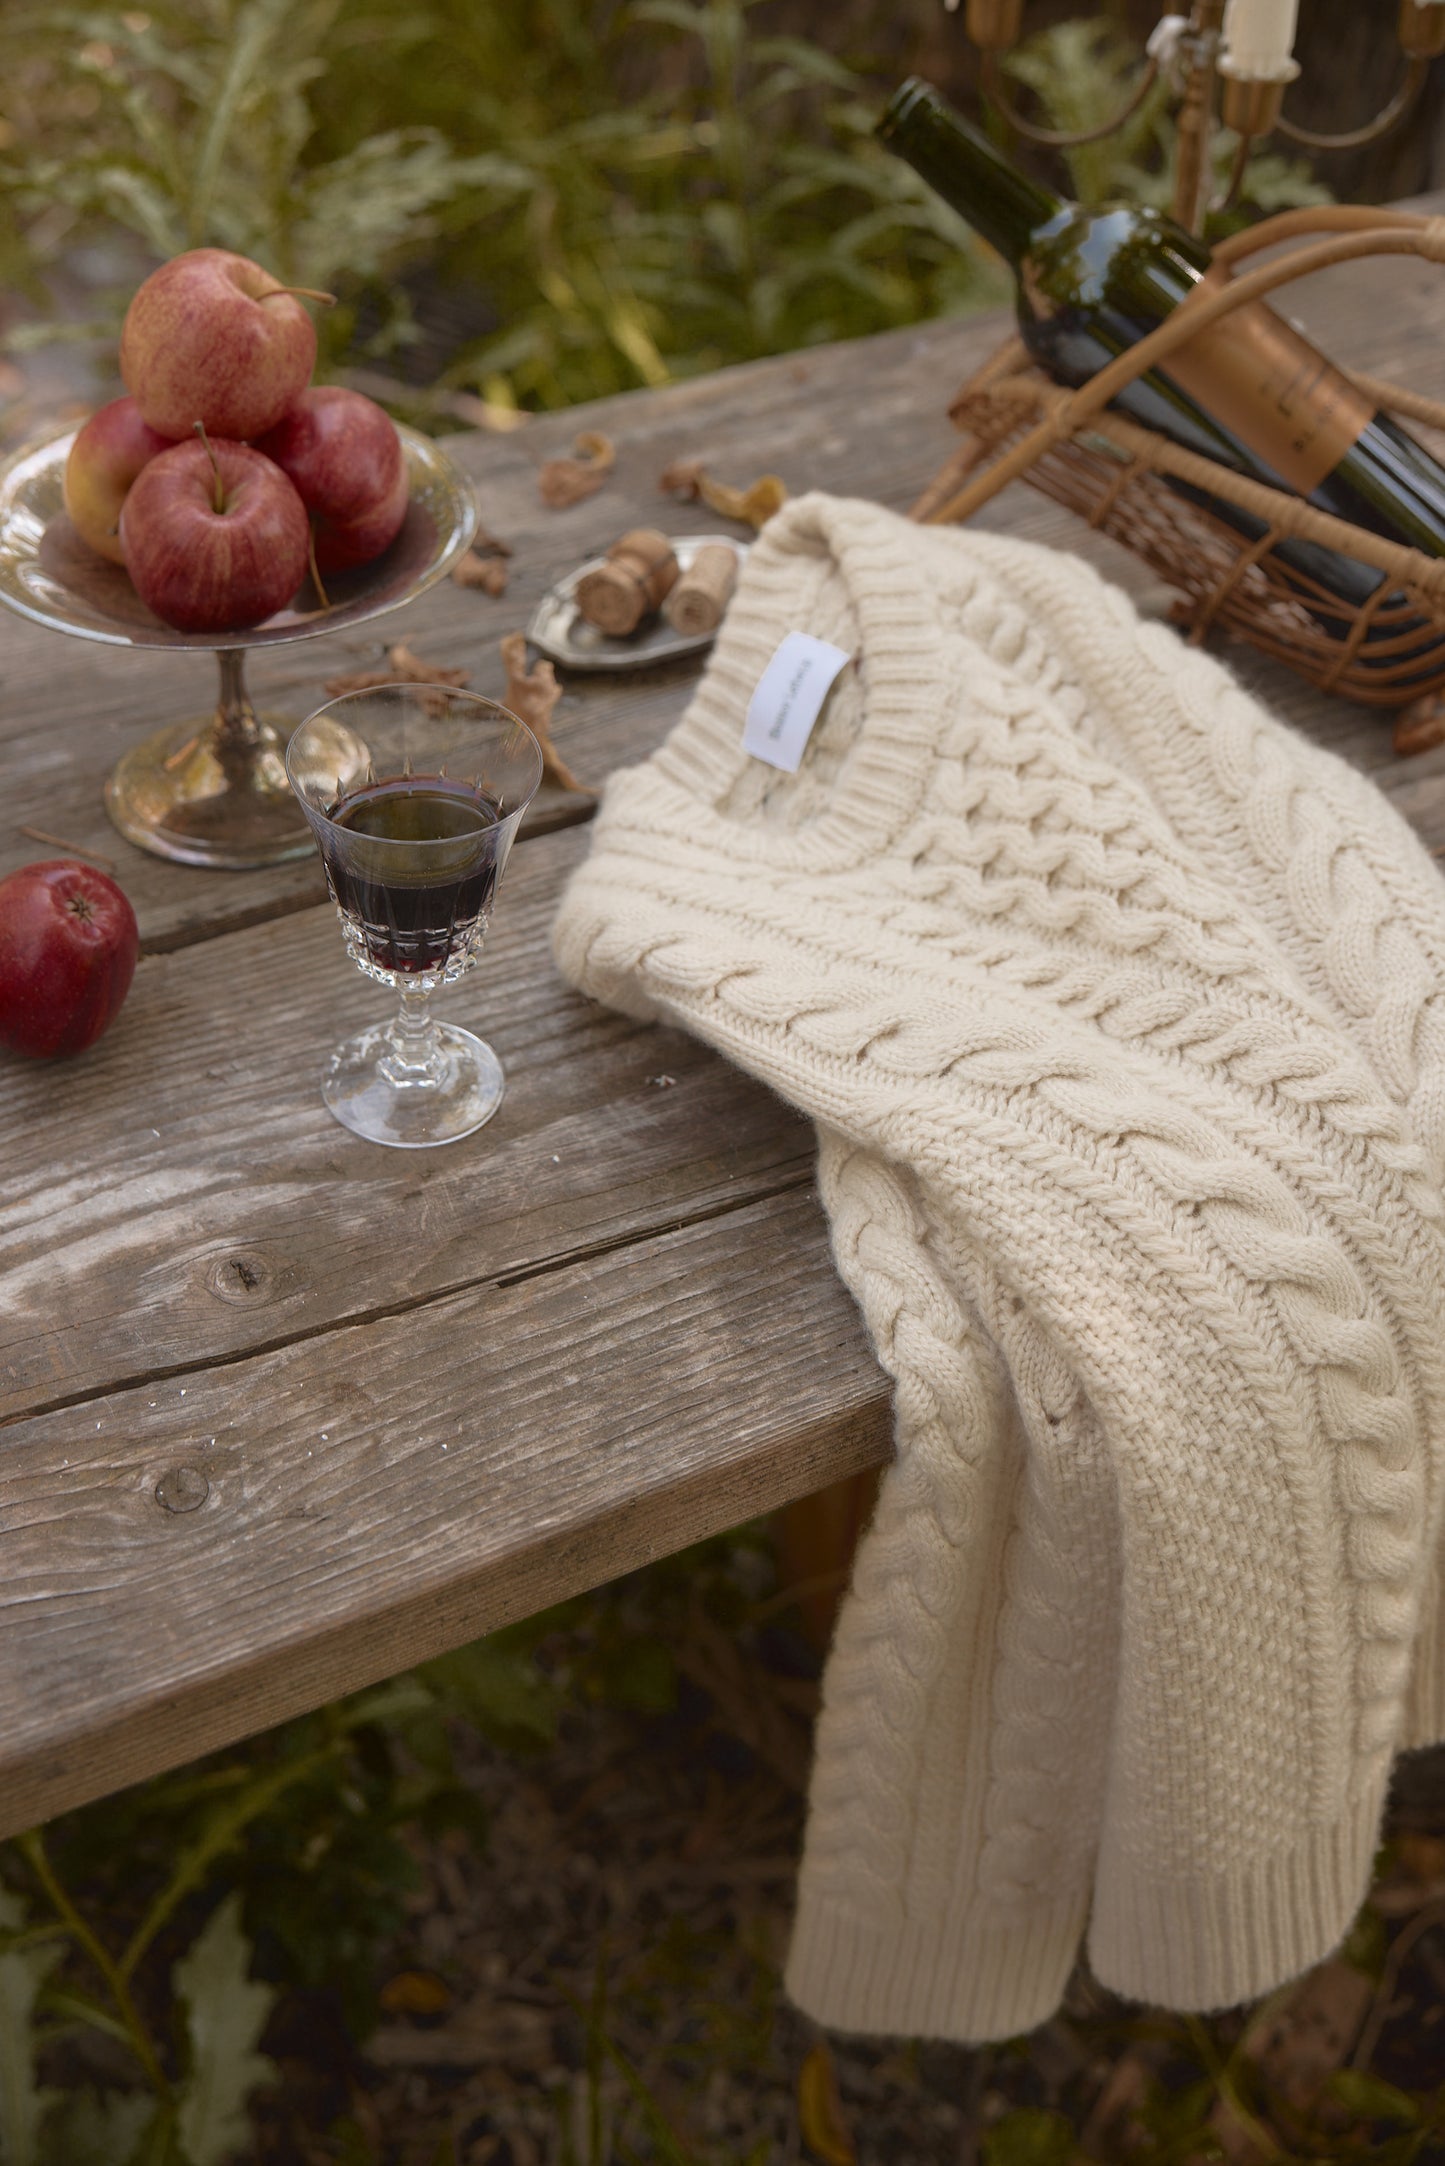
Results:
1121 1014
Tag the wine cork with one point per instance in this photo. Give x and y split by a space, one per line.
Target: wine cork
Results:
696 604
639 573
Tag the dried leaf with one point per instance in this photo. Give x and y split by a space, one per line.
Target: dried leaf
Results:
753 506
401 667
820 2111
568 480
682 478
1421 726
486 573
415 1993
532 694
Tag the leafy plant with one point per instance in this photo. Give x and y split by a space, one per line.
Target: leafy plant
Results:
306 1831
1081 71
192 126
628 194
700 192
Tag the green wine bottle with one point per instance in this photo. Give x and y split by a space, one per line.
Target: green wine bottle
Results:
1250 391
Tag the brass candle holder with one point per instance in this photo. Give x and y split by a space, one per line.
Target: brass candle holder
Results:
1211 92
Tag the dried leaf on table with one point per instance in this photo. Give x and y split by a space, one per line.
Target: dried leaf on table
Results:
1420 726
820 2111
532 694
486 573
753 506
401 667
569 479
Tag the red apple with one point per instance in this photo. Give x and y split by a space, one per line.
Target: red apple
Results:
215 537
108 453
203 342
68 944
344 456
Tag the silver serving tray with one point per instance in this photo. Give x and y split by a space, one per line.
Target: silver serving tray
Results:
560 632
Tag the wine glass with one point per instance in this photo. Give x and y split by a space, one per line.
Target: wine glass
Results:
414 793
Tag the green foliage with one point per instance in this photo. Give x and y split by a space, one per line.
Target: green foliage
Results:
100 2128
1082 71
631 193
225 2015
190 126
699 193
307 1832
1029 2137
497 1687
169 1920
1367 2098
23 1971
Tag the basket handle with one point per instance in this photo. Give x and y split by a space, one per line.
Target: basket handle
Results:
1318 218
1382 237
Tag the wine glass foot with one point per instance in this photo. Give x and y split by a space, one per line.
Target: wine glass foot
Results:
376 1094
184 794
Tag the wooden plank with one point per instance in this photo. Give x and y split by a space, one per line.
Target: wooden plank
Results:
184 1194
375 1495
615 1306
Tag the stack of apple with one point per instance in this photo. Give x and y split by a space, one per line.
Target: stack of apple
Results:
223 476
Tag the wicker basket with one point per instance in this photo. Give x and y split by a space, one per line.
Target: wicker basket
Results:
1114 473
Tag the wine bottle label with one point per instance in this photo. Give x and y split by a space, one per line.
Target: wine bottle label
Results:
1271 389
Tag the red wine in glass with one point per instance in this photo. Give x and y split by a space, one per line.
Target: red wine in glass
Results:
419 899
415 794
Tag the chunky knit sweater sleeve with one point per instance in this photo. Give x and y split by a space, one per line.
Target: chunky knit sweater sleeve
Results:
1121 1015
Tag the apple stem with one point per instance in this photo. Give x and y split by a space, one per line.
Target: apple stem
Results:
308 293
220 496
315 573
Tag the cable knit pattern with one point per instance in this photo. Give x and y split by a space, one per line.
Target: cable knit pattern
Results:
1121 1015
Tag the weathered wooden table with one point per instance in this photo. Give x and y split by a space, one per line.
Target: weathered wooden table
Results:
431 1392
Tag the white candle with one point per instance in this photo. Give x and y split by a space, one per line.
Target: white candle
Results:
1259 39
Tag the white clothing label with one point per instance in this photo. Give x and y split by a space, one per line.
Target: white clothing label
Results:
787 699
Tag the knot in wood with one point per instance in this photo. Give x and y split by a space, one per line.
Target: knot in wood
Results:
183 1489
243 1277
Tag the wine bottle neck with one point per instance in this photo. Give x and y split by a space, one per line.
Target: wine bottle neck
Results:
963 167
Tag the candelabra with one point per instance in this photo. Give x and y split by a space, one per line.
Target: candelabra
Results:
1231 62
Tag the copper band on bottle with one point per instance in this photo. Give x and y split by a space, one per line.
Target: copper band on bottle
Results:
1269 387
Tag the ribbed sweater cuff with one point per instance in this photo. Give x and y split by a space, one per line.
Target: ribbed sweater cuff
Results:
1197 1943
1425 1705
939 1978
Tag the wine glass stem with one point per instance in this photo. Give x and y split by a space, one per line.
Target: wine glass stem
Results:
414 1033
